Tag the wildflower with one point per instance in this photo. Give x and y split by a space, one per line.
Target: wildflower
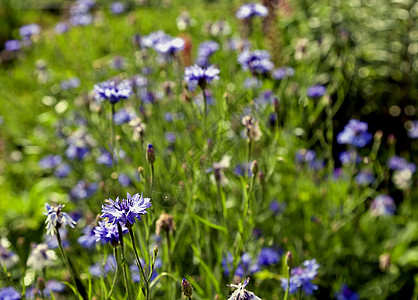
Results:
397 163
61 27
316 91
12 45
252 83
257 61
83 190
124 180
47 288
238 44
107 232
253 131
346 294
125 211
302 277
9 293
184 21
205 51
305 156
219 167
7 258
100 269
52 242
105 158
186 288
112 91
29 30
289 259
136 276
241 293
88 239
197 76
277 207
50 161
170 137
62 170
138 128
251 10
56 217
41 257
81 19
355 133
170 46
150 156
365 177
71 83
413 130
165 223
402 179
348 157
117 8
154 38
280 73
78 145
268 257
123 116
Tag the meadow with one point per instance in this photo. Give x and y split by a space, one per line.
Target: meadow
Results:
208 149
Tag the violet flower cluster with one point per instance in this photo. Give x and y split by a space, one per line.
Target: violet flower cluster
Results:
251 10
257 61
355 133
301 277
198 76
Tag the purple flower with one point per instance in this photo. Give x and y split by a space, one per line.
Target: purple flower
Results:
9 293
227 264
71 83
62 170
83 190
349 157
57 218
61 27
125 211
346 294
316 91
28 30
112 91
355 133
170 137
382 205
88 239
105 158
195 75
12 45
268 257
107 232
305 156
169 46
50 286
365 177
154 38
252 83
413 131
81 19
50 161
257 61
7 258
280 73
398 163
205 51
302 277
124 180
277 207
101 269
123 116
75 151
117 8
251 10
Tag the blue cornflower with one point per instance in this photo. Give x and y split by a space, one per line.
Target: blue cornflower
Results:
117 8
62 170
252 83
9 293
170 137
57 218
50 286
280 73
205 51
355 133
277 207
348 157
75 151
61 27
71 83
105 158
268 256
305 156
125 211
257 61
123 116
83 190
101 269
50 161
154 38
107 232
170 46
227 263
302 277
413 130
112 91
81 19
382 205
124 180
365 177
240 168
27 31
316 91
7 258
88 239
346 294
12 45
198 76
52 242
398 163
251 10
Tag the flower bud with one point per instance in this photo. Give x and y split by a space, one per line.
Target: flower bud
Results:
40 284
155 250
150 154
384 262
289 259
186 288
254 168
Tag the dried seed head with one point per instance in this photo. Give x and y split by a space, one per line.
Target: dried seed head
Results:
165 223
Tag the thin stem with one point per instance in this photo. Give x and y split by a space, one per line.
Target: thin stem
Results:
204 110
122 246
152 177
9 280
115 253
138 262
286 295
113 142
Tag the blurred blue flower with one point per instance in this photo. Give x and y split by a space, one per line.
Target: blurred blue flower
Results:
50 161
398 163
305 156
316 91
382 205
105 158
283 72
83 190
346 294
302 277
195 75
136 277
71 83
117 8
257 61
154 38
50 286
277 207
88 239
413 131
101 269
125 211
240 168
61 27
81 19
9 293
355 133
170 137
27 31
124 180
169 46
349 157
205 51
56 218
112 91
12 45
123 116
107 232
62 170
7 258
268 256
251 10
74 151
252 83
365 177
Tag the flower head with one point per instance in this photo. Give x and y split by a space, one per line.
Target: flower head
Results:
413 130
50 161
205 51
125 211
257 61
382 205
41 257
88 239
198 76
100 269
302 277
346 294
241 293
12 45
117 7
7 258
281 73
316 91
268 257
251 10
57 218
355 133
398 163
186 288
169 46
165 223
112 91
107 232
9 293
27 31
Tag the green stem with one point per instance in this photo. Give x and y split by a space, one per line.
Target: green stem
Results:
122 246
286 295
113 142
152 177
9 280
204 109
115 253
138 262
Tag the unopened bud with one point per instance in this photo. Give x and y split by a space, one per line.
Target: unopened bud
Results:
150 154
155 250
378 135
261 177
384 262
40 284
289 259
391 140
186 288
254 168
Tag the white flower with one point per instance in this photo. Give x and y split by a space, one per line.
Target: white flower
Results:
41 257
